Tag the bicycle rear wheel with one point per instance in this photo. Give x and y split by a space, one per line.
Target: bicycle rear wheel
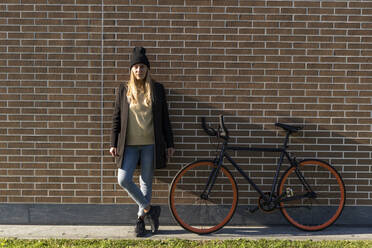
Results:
195 212
317 209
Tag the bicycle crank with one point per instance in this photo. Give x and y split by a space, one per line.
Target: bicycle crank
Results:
267 206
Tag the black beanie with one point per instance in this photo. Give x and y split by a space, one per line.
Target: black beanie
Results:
139 57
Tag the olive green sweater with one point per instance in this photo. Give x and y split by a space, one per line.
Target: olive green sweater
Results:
140 124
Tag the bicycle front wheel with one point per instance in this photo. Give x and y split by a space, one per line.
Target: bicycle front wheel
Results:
313 195
196 211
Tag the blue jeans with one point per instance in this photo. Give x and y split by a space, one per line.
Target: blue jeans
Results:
142 195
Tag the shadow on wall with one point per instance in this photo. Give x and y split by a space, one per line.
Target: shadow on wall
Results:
333 145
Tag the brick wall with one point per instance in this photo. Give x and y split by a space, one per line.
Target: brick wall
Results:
257 62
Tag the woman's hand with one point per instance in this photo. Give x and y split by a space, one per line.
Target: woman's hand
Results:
113 151
170 151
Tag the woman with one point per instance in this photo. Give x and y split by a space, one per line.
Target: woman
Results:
141 133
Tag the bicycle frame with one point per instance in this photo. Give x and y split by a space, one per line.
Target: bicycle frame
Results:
223 154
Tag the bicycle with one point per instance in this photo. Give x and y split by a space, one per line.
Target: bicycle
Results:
203 195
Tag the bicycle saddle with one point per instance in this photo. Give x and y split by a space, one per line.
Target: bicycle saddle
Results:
288 127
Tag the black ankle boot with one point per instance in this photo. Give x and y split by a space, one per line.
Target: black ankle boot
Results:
153 218
140 228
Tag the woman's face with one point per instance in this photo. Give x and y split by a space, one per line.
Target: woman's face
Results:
139 71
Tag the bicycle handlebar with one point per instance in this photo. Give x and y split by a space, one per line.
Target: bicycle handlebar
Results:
222 130
209 130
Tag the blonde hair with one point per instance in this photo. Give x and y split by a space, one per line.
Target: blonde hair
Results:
135 87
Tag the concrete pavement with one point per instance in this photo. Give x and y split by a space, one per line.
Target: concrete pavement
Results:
171 232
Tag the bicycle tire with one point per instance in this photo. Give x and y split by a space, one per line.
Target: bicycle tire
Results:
193 213
313 213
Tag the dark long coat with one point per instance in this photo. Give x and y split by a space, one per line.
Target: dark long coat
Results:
162 126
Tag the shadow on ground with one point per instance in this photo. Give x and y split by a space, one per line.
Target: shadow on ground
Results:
277 231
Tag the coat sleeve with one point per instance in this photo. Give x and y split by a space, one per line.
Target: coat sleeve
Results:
166 124
116 125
